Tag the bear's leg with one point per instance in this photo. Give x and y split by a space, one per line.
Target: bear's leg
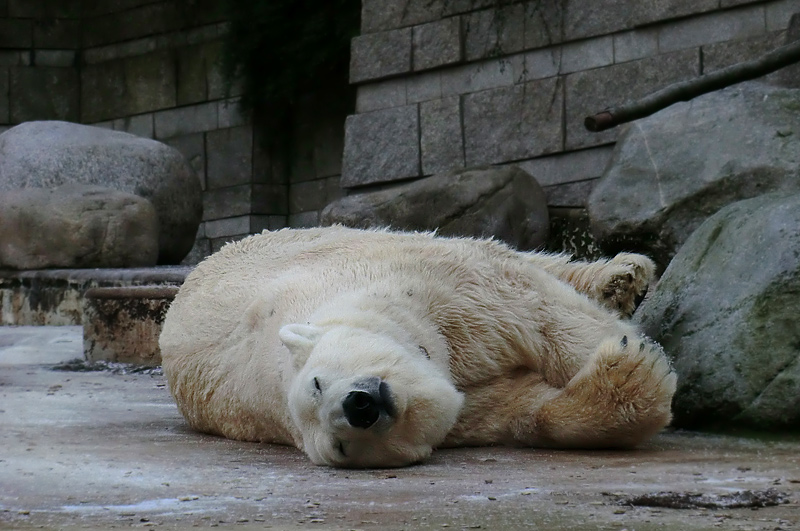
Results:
618 283
621 397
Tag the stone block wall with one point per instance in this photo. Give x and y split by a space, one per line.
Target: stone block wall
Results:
448 84
153 68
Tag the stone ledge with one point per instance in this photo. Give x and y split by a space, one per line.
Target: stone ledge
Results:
57 296
123 324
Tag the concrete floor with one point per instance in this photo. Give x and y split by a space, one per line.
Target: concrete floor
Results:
103 450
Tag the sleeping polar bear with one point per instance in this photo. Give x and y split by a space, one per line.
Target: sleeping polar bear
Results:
372 348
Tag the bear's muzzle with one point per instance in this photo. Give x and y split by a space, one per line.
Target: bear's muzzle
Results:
370 399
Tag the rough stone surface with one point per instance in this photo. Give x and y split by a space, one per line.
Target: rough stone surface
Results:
76 226
122 324
670 171
726 312
504 202
48 154
381 146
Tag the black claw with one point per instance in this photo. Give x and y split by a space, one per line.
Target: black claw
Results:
641 346
624 341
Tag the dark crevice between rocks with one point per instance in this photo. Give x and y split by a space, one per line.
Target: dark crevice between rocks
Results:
693 500
82 365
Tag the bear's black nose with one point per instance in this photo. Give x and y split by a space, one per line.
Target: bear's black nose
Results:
363 407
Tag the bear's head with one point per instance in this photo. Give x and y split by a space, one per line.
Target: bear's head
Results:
362 399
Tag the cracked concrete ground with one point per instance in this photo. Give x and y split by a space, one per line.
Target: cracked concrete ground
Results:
103 450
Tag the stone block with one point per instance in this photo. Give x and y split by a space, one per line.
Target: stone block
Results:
267 167
568 167
513 123
302 153
56 33
569 195
200 250
45 8
714 27
437 43
720 55
378 55
227 202
218 86
186 120
588 19
193 148
635 44
381 15
587 54
329 146
593 90
303 220
43 93
245 199
219 243
60 58
494 32
424 87
308 196
191 77
139 125
123 324
381 146
479 76
121 50
540 64
124 25
543 23
271 200
441 137
381 95
229 157
4 89
230 113
133 85
16 33
779 13
15 58
225 228
334 188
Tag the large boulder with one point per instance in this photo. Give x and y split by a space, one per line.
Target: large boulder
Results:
726 311
76 226
672 170
504 202
48 154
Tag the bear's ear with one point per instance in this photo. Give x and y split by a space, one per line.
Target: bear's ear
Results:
300 338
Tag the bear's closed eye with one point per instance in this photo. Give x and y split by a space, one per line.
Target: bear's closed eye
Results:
317 386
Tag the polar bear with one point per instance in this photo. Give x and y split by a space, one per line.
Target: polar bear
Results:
370 348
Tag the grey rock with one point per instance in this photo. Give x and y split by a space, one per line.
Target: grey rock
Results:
76 226
726 313
504 202
50 153
671 171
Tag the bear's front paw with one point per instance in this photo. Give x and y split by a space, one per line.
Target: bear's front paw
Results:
625 282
